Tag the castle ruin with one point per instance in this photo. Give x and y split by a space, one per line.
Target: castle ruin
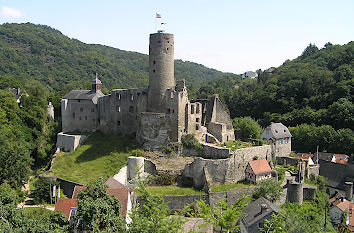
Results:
160 114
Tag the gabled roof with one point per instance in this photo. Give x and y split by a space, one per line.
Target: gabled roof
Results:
113 183
260 166
342 205
121 194
84 95
276 131
253 211
64 205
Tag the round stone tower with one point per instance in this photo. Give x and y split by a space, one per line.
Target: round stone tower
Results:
161 70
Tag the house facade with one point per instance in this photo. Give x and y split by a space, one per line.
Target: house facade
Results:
279 137
258 170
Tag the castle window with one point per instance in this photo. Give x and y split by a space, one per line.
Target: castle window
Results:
131 108
167 48
197 108
118 96
131 97
197 127
118 123
80 118
192 109
92 110
86 118
154 62
73 115
81 109
168 111
171 95
153 71
118 108
159 41
197 119
173 111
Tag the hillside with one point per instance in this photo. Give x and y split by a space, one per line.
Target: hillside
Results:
42 53
316 89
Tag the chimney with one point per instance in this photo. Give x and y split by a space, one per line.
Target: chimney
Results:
264 208
348 186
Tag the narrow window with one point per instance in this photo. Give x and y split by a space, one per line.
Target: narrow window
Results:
73 115
171 95
197 108
85 118
197 119
173 111
131 97
118 108
153 71
118 123
78 101
197 127
118 96
192 109
168 111
131 108
154 62
92 110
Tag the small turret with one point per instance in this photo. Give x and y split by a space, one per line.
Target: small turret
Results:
96 84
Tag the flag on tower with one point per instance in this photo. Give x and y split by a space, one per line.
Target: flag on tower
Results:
158 16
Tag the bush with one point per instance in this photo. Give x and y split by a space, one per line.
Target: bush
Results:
190 142
42 191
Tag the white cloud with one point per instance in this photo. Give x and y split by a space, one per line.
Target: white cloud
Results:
10 12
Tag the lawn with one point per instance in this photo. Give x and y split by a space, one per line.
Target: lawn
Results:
227 187
99 156
172 191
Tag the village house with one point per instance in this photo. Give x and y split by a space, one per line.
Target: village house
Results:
67 206
279 137
339 208
332 157
255 215
306 157
258 170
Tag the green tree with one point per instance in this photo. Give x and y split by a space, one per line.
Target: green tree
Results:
247 127
152 214
269 189
42 190
96 211
275 225
222 216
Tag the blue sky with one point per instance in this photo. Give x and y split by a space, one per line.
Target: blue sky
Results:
228 35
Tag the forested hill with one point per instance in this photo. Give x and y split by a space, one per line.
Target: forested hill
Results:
42 53
316 89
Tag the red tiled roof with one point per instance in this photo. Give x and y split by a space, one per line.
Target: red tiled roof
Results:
260 166
343 205
120 193
76 191
304 155
64 205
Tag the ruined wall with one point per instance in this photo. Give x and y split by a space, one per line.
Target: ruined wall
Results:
226 171
120 111
68 143
179 202
154 130
79 115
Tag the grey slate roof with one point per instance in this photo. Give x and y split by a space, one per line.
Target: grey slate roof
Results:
113 183
276 131
84 95
253 211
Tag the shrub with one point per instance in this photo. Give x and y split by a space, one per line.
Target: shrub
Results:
189 141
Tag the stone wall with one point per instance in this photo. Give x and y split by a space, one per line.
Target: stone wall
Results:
154 130
283 160
79 115
120 111
67 142
179 202
225 171
231 195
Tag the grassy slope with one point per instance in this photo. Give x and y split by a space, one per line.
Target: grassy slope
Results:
227 187
172 191
99 156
